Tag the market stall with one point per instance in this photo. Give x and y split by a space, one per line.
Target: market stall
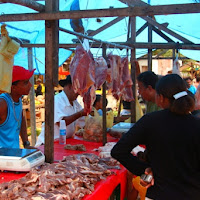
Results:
103 189
51 14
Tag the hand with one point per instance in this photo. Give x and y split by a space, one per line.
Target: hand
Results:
148 171
83 113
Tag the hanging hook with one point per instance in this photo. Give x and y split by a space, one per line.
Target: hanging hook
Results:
91 44
114 48
177 47
119 52
99 49
107 47
80 40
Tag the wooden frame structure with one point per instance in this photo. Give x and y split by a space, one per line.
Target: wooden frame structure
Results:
51 15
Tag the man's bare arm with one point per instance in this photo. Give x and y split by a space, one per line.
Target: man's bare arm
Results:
3 110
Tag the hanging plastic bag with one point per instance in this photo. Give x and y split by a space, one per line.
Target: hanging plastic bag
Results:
8 48
176 66
93 129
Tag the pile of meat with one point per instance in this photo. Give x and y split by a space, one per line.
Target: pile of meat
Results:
104 151
70 179
89 74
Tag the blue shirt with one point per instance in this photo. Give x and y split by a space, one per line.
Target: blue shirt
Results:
192 89
10 128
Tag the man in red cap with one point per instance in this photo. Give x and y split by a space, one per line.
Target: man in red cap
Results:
12 121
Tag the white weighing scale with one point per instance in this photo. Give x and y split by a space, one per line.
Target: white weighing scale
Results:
20 160
122 127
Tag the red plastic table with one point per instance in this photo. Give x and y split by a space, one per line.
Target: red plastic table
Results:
103 189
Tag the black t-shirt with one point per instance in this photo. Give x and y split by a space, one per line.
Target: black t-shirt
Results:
172 142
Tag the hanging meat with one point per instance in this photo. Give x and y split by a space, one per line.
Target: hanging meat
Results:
116 74
89 98
82 70
126 81
101 69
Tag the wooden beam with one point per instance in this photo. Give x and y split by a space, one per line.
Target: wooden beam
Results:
169 45
164 28
133 3
28 3
139 45
150 50
104 87
120 12
163 58
93 39
133 68
51 70
141 29
32 99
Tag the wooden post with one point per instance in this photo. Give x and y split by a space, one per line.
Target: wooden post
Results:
51 74
32 99
149 50
133 68
104 103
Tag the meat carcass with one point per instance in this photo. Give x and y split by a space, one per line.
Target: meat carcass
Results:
101 69
82 70
89 98
116 73
126 81
126 78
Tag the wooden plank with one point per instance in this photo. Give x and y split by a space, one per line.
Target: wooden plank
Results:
133 3
168 45
120 12
139 45
91 38
133 68
32 100
51 60
141 29
149 50
28 3
162 27
163 58
104 101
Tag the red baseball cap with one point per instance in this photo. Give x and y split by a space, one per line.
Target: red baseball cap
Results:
19 73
